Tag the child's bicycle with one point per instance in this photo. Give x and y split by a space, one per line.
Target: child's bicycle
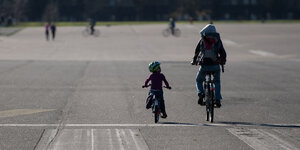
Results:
155 104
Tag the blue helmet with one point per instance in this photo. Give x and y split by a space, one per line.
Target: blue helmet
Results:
153 66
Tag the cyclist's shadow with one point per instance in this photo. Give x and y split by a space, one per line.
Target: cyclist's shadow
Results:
232 123
178 123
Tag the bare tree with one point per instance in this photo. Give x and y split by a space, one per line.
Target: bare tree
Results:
51 13
18 8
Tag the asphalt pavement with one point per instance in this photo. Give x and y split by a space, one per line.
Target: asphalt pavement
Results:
78 92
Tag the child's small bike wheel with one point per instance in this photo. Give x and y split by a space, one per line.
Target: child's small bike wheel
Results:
156 114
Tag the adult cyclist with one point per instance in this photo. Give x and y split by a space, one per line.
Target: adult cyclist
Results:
211 54
92 25
172 25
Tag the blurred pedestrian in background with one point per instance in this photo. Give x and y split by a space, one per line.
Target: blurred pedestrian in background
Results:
9 21
47 26
191 20
53 30
2 20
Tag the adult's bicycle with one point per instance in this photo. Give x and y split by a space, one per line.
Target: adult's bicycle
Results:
88 32
168 31
155 101
209 94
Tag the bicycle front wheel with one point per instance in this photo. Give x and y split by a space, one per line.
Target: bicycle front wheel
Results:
96 33
85 32
166 32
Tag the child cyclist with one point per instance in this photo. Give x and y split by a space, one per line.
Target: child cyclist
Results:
156 79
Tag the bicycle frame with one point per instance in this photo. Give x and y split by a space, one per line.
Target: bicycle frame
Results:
168 31
87 32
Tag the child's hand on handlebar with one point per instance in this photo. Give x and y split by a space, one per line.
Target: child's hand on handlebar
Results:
168 87
145 86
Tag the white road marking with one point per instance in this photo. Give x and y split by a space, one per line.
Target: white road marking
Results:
263 53
259 139
229 42
273 55
125 139
77 139
119 139
18 112
152 125
139 142
110 139
135 142
92 136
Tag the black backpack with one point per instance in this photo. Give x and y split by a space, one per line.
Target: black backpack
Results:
210 56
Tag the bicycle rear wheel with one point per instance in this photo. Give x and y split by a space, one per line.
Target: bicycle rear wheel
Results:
207 112
177 32
96 33
209 104
156 115
212 112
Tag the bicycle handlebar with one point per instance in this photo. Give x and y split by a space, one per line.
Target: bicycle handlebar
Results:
168 87
145 86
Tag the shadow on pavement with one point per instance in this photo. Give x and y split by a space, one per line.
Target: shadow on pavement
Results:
228 124
179 123
257 124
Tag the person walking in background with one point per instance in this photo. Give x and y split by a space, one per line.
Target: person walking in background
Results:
47 26
191 20
2 20
53 30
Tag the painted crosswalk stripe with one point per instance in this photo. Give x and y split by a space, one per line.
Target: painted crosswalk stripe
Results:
259 139
110 139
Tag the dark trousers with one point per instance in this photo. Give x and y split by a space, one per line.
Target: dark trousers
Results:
53 34
47 35
92 30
